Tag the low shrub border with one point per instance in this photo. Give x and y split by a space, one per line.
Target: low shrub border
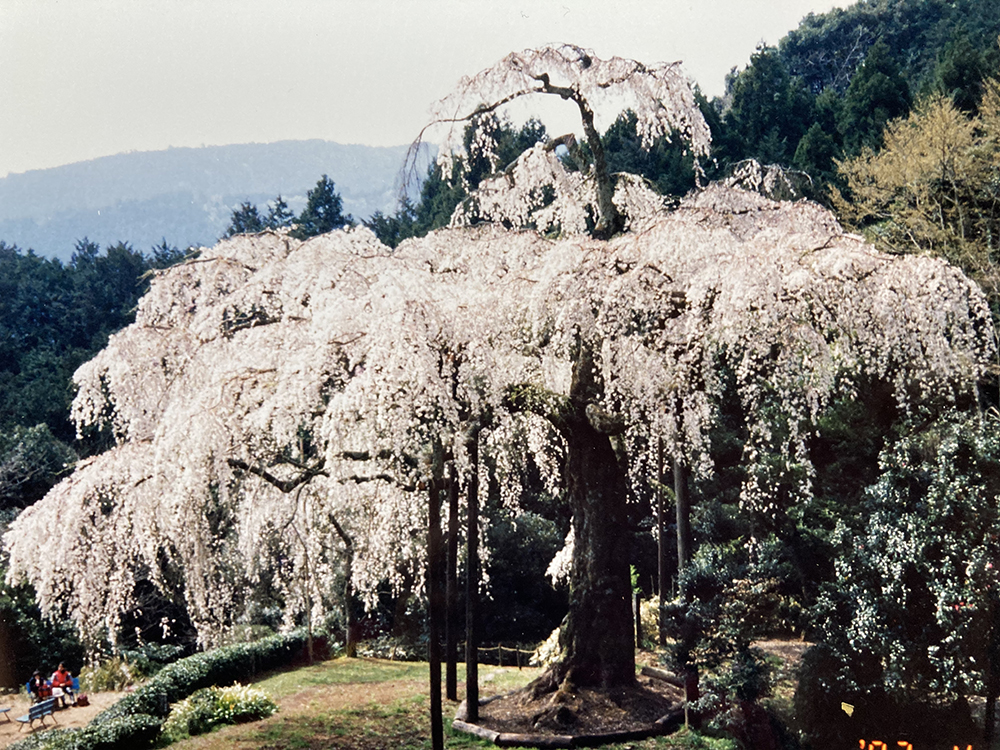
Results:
135 720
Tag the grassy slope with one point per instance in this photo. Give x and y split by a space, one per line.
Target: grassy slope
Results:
367 704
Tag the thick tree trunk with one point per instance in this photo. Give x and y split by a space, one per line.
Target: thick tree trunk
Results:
598 635
352 628
684 551
609 221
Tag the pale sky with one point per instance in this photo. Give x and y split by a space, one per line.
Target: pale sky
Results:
81 79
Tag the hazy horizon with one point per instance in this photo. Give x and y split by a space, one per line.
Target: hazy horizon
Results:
97 78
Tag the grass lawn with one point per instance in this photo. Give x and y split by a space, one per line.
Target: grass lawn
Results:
371 704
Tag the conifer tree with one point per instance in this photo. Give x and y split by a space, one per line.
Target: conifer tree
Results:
323 213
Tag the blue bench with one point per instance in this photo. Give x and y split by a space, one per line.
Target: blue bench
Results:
5 712
38 712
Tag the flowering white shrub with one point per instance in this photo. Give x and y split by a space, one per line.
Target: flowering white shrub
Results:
214 706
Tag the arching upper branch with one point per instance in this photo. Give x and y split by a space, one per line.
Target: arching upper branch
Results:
660 95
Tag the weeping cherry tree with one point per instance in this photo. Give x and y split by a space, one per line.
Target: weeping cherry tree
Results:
276 398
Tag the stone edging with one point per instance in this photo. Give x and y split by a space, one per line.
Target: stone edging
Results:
666 724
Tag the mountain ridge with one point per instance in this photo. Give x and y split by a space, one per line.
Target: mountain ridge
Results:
185 195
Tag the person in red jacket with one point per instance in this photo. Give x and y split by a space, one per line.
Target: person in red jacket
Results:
61 678
38 688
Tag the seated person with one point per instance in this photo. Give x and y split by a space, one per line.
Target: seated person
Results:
38 688
61 678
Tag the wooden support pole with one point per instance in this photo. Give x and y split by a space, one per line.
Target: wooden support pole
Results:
451 589
435 597
683 513
637 612
472 586
661 542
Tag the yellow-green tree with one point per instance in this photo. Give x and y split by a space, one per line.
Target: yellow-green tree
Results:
933 188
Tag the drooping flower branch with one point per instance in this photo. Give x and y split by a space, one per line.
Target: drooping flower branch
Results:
274 372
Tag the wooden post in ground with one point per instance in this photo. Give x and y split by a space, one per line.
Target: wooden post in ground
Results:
451 589
435 597
661 543
472 586
637 611
683 513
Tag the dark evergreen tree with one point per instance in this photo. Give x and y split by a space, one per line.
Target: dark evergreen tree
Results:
32 460
439 195
279 215
961 69
391 230
877 93
164 255
245 220
769 114
323 213
667 165
815 154
828 48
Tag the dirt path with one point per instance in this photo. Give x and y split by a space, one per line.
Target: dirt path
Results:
71 716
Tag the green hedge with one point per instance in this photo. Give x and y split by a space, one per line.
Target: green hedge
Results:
222 666
123 733
135 720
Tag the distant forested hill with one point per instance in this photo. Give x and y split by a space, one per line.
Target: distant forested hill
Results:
827 49
184 195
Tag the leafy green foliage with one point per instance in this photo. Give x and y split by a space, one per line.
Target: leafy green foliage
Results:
27 640
500 144
668 165
833 83
245 220
208 708
32 460
769 113
933 188
124 733
131 666
826 49
222 666
114 674
962 68
912 614
30 641
391 230
53 317
522 606
279 215
877 93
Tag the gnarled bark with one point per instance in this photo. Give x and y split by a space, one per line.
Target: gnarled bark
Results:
597 636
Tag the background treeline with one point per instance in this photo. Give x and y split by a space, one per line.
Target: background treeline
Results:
53 317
